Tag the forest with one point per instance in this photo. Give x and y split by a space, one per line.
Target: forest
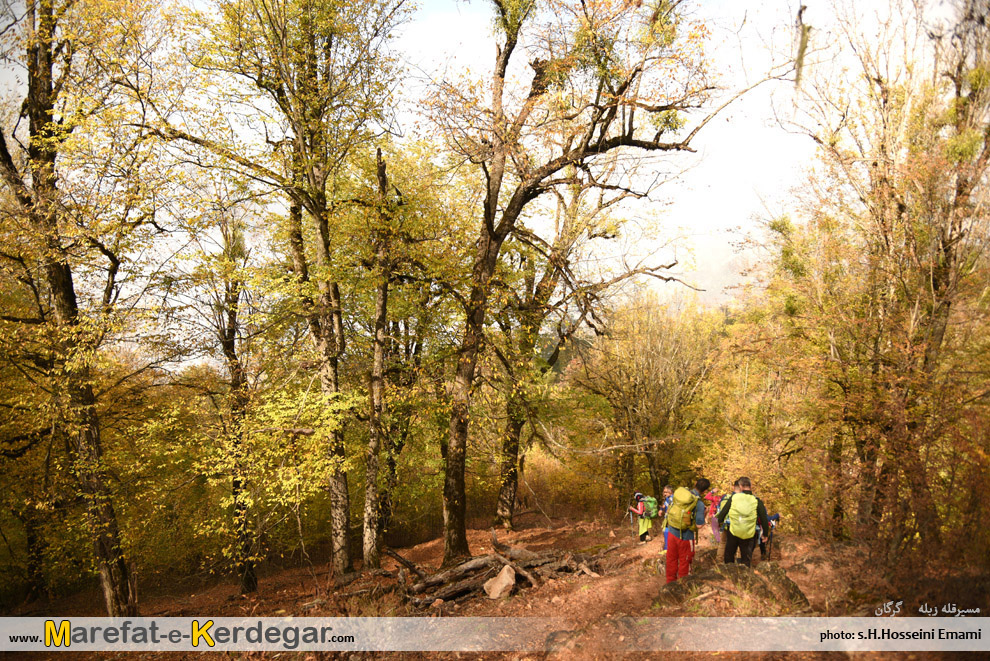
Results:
265 303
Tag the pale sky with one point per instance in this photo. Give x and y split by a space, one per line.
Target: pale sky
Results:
745 163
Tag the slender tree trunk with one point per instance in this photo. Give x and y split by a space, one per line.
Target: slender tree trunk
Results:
455 544
340 503
340 498
40 204
376 389
325 321
245 539
87 453
393 447
239 486
37 586
371 502
238 401
509 469
651 463
624 465
836 485
629 471
866 450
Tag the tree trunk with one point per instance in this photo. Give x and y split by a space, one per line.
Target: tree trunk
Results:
340 505
325 321
628 471
376 396
509 469
455 544
245 539
118 588
340 502
392 450
651 463
837 485
376 389
39 202
37 586
237 398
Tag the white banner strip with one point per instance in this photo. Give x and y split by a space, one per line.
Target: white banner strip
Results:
469 634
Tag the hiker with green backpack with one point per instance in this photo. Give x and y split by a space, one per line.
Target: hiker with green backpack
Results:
685 514
744 511
646 508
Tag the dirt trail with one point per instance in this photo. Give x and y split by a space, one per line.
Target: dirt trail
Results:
594 608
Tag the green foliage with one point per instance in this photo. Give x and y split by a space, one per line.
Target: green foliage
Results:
668 121
964 146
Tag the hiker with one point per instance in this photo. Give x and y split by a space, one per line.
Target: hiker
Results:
646 509
763 540
713 501
668 496
685 514
744 512
725 526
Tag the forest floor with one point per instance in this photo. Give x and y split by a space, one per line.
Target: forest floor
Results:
804 578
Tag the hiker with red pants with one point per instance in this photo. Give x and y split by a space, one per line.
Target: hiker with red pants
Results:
686 513
744 512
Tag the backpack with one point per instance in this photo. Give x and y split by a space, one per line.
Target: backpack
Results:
742 514
681 512
650 508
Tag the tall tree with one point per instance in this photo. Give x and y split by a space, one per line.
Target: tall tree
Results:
318 76
650 365
551 287
606 76
898 200
78 181
218 297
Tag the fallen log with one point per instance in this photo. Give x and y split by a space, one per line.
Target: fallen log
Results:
608 550
452 574
517 554
466 580
408 564
519 570
373 590
468 585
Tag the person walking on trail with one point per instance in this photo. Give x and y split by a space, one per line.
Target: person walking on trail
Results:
645 508
764 554
686 513
668 496
743 511
724 526
712 509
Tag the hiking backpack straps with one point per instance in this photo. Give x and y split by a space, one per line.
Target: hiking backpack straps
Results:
681 513
742 515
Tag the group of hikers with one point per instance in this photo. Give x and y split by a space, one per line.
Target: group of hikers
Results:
738 522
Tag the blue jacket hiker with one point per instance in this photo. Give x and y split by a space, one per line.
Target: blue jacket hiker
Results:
668 498
685 514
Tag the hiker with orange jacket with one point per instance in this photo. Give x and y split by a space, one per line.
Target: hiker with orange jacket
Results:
686 513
